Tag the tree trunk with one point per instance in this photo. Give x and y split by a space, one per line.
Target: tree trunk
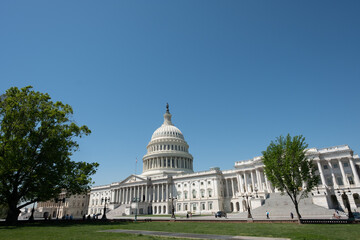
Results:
297 210
12 215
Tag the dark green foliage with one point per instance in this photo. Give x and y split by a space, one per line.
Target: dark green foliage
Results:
36 143
288 168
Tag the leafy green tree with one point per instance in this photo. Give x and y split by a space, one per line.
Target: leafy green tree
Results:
37 139
288 168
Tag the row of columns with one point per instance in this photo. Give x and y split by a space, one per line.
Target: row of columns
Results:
168 162
255 175
143 193
343 175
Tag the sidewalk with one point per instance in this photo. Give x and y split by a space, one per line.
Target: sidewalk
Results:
190 235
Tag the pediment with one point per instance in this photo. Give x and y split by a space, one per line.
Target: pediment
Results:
133 179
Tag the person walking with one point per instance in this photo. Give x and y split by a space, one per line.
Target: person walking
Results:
267 215
291 215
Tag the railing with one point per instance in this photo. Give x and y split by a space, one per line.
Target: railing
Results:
326 221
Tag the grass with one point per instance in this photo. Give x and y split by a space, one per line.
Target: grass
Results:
90 231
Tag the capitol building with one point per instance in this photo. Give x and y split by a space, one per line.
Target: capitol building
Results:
168 181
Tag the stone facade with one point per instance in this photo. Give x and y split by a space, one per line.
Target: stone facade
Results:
73 205
168 181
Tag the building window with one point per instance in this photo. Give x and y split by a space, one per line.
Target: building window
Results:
193 184
202 183
325 167
194 193
351 180
185 195
339 181
202 206
210 193
329 181
202 193
179 207
209 182
185 207
185 185
346 164
194 206
336 165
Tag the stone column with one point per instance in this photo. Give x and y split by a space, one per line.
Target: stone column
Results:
158 192
261 187
121 195
126 195
153 193
113 196
167 193
252 181
321 173
227 188
131 194
161 193
332 174
245 183
345 182
146 193
232 188
353 169
240 183
267 183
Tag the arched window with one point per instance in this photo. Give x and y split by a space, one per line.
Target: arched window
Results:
194 193
202 191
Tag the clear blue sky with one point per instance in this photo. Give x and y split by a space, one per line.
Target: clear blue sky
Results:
236 74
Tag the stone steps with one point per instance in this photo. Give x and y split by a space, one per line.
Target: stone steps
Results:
281 205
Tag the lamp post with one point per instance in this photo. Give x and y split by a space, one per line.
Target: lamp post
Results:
106 199
246 196
172 207
346 198
136 200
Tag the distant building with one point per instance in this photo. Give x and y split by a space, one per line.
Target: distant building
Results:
73 205
168 178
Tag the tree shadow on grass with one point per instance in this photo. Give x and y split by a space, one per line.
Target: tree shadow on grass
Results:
64 223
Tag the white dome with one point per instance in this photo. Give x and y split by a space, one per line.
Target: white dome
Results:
167 151
167 131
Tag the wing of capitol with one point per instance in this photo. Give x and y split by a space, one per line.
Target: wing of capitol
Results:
168 181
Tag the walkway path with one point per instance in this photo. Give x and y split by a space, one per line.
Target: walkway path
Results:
190 235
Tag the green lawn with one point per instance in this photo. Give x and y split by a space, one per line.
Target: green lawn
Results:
89 231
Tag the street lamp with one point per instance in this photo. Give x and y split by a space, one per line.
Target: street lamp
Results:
346 198
172 207
246 196
136 200
106 199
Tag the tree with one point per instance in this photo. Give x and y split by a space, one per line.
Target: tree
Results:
37 139
288 168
